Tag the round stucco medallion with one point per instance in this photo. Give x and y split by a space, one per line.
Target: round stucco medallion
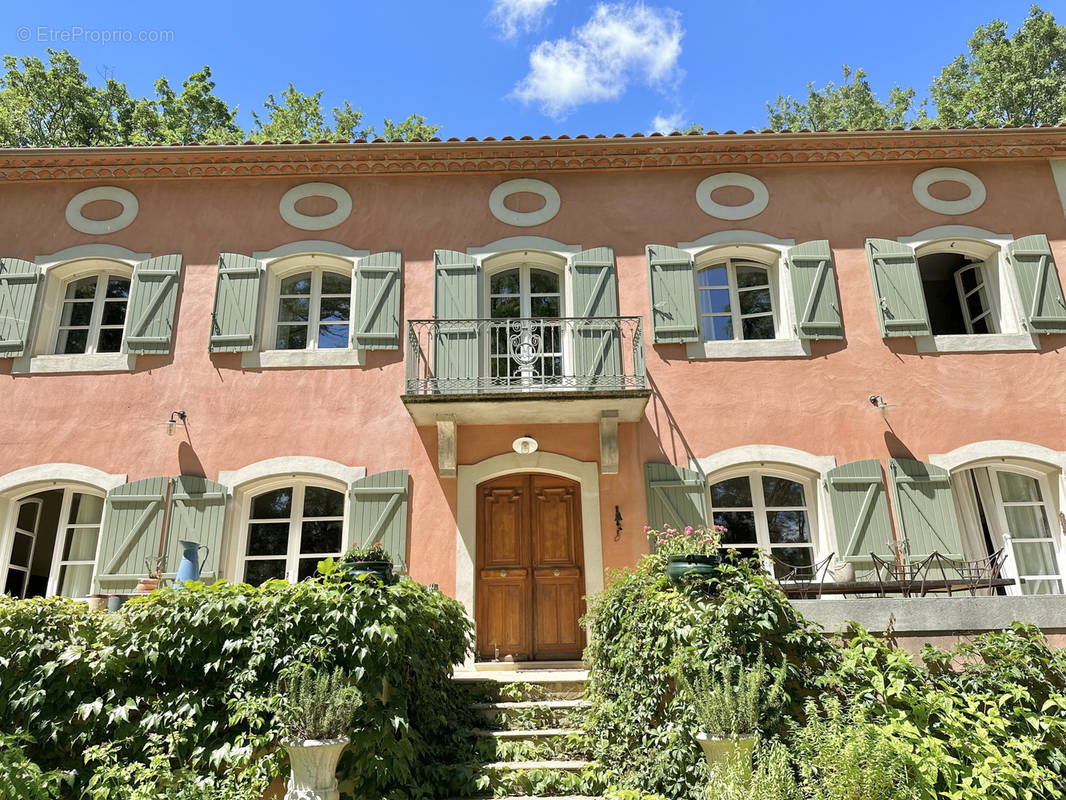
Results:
524 219
123 197
320 222
973 201
760 195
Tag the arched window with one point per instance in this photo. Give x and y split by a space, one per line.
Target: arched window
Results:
526 340
766 511
313 310
289 528
93 316
735 301
959 293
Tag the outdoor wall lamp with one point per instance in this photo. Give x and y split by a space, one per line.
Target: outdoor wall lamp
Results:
172 422
877 401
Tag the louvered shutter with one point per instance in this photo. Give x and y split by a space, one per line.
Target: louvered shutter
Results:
378 512
18 292
153 295
673 295
197 514
675 496
597 346
814 290
131 533
897 289
236 312
457 284
925 508
860 510
376 318
1038 284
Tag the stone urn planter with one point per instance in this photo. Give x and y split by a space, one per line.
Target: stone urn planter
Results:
314 768
692 565
720 752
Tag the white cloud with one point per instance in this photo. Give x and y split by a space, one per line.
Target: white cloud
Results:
667 124
514 16
618 45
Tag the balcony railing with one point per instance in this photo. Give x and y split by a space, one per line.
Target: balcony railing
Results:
540 354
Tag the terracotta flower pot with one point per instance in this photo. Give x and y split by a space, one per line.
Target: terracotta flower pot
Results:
314 768
146 585
720 752
97 602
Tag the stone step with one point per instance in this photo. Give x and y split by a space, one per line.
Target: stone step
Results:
509 704
535 734
516 766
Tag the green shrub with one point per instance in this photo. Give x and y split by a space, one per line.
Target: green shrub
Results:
71 679
317 704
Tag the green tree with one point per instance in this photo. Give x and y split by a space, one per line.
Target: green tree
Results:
851 105
1006 80
414 127
296 116
195 115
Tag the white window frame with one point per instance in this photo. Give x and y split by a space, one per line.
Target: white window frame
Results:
964 295
314 314
96 316
292 555
761 250
735 313
17 531
754 473
990 249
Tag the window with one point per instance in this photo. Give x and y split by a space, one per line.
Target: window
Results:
289 530
768 514
54 543
314 311
735 301
957 294
93 315
529 343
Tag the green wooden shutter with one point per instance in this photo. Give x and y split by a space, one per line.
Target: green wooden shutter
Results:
925 509
597 346
673 295
153 295
18 291
1038 283
378 512
377 285
860 510
457 285
675 496
236 304
814 290
897 289
131 533
197 514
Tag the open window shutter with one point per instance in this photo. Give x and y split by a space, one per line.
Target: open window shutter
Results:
378 512
131 533
153 295
673 295
925 508
457 284
1038 284
597 347
814 290
376 319
18 290
675 496
860 510
236 304
897 289
197 514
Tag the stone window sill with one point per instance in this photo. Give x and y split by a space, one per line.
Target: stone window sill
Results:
55 364
761 348
976 343
281 359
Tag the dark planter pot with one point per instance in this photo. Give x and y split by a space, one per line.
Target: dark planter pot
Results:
692 565
381 570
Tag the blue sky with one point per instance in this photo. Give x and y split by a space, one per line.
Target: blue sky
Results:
514 67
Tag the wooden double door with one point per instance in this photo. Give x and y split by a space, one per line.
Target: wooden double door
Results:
530 568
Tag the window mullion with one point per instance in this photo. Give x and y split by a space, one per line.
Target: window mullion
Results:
97 315
60 544
734 300
314 310
762 526
292 561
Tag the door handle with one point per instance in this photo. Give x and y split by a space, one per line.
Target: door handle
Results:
555 572
503 573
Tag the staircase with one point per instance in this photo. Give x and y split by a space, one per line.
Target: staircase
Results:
530 741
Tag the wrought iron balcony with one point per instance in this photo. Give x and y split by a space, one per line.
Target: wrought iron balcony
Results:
449 357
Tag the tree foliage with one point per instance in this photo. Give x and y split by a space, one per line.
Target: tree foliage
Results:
55 104
851 105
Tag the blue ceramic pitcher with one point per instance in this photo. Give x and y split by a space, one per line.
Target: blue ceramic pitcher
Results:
189 568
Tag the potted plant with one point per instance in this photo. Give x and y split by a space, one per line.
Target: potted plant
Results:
728 711
689 552
373 560
316 718
155 573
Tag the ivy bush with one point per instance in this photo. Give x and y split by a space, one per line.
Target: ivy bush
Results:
185 681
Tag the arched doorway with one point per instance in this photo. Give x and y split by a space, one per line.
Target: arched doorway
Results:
530 568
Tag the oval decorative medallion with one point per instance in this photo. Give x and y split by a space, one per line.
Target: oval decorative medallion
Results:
760 195
524 219
123 197
320 222
973 201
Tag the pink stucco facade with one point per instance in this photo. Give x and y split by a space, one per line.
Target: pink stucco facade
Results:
939 403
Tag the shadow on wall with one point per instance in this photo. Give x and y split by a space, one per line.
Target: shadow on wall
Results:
671 444
189 462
